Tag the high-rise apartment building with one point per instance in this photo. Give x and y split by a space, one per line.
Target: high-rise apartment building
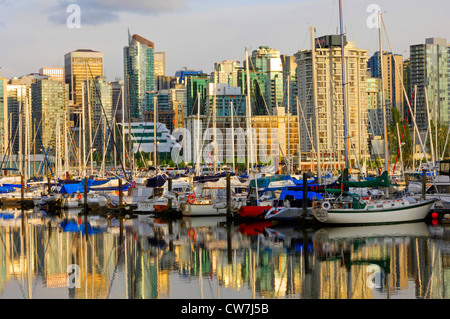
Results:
429 68
197 86
178 100
289 83
375 125
79 66
329 104
266 76
50 109
118 100
54 73
4 137
160 63
99 114
392 79
221 96
139 62
226 72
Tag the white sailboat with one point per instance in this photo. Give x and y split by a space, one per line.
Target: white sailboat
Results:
348 208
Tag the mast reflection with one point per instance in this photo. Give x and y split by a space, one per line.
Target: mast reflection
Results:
147 258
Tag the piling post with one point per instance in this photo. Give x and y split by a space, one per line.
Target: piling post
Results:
424 183
49 185
120 193
305 195
22 190
228 179
169 187
85 192
407 180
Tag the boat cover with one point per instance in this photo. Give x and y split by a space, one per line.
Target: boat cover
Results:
380 181
264 181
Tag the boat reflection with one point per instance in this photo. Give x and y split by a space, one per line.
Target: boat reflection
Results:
204 257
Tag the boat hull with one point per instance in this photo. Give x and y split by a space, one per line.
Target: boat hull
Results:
285 213
253 211
202 210
414 212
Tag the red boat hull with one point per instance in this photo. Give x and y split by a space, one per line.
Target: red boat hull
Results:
253 211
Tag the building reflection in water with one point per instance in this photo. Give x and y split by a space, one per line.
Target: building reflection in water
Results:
147 258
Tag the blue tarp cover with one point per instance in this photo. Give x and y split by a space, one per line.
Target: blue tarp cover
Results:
79 187
6 189
299 194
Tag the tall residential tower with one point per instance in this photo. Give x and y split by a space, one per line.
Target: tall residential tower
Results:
139 63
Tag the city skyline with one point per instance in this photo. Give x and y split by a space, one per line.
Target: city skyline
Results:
197 33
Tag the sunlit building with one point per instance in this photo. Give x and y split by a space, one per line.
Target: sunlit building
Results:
329 105
3 115
429 68
139 63
54 73
50 103
79 66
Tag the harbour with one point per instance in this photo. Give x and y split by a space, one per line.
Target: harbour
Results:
321 174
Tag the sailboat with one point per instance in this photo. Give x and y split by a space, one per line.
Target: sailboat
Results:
349 208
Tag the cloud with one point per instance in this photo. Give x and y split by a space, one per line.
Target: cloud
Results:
97 12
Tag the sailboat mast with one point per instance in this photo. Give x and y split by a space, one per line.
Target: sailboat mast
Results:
383 98
214 129
316 110
299 136
433 156
344 93
249 114
288 126
91 148
232 134
155 130
197 136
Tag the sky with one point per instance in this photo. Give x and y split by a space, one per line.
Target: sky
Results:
197 33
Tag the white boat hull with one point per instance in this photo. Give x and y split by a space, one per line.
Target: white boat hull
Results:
202 210
413 212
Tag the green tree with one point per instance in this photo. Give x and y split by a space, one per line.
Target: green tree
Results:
440 140
393 141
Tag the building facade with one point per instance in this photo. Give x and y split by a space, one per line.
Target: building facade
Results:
50 109
139 63
79 66
392 79
4 137
54 73
429 68
329 105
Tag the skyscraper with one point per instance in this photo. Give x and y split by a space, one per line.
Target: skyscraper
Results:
392 79
429 68
160 63
54 73
50 109
329 100
266 76
3 115
226 72
139 62
100 114
80 65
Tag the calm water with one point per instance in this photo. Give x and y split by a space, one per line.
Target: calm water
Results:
43 257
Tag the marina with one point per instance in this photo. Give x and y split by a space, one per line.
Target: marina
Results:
318 175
